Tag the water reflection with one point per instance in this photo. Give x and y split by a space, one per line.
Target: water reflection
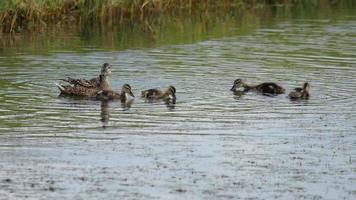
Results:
105 113
105 110
171 105
238 94
127 104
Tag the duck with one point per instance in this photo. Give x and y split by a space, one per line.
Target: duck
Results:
265 88
300 93
86 92
92 83
124 95
169 95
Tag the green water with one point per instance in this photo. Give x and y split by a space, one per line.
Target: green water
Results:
212 144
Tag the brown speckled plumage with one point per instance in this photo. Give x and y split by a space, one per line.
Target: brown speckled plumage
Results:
265 88
92 83
156 94
111 95
80 91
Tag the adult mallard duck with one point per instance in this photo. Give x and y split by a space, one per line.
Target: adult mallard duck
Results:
82 91
265 88
111 95
92 83
300 93
168 95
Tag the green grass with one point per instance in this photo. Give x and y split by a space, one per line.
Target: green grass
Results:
19 15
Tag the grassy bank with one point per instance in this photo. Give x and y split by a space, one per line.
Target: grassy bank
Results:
19 15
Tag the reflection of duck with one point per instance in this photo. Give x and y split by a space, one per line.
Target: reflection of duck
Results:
127 104
81 91
238 94
170 105
111 95
104 113
92 83
155 94
265 88
300 93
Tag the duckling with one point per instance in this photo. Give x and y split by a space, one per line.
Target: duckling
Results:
300 93
265 88
111 95
92 83
155 94
81 91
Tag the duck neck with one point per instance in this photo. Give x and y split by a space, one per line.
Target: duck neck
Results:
123 96
305 93
104 83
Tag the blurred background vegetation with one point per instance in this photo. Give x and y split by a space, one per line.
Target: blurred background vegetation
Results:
20 15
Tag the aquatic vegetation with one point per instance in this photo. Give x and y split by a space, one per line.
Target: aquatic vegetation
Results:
17 15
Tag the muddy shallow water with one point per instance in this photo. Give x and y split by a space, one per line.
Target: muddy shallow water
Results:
212 144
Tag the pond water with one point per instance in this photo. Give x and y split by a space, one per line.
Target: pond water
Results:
212 144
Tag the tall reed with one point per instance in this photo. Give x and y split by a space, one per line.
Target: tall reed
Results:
17 15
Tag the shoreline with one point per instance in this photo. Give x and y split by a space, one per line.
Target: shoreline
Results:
19 16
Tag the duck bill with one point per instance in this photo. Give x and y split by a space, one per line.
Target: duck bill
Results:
131 94
233 88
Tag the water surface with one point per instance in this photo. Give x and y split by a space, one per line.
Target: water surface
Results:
212 144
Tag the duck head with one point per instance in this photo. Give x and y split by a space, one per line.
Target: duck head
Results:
238 85
170 94
126 90
106 69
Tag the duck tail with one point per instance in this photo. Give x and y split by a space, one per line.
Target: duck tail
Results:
60 87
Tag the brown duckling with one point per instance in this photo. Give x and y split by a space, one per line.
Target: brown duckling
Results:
265 88
155 94
111 95
81 91
300 93
92 83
